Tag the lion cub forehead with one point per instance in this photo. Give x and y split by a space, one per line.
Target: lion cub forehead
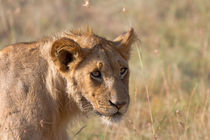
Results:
106 52
107 57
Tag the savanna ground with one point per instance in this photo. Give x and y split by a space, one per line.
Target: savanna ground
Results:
170 68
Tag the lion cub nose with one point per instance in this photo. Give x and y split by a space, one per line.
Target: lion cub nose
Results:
118 105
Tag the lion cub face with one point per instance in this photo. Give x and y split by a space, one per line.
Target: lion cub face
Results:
97 72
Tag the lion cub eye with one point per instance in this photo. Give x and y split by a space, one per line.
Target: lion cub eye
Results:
96 75
123 72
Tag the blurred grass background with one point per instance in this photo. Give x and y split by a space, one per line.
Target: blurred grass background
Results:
169 92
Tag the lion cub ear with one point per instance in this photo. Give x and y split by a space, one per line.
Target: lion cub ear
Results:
124 43
65 53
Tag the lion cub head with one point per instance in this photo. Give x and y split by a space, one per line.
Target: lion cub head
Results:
96 71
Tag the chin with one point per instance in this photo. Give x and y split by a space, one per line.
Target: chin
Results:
111 120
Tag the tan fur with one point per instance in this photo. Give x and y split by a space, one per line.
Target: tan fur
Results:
45 84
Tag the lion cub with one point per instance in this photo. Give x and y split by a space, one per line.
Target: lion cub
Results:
47 83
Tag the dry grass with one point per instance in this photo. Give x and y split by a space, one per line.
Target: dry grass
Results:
169 84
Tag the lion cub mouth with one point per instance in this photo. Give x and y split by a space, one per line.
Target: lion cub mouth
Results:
86 106
116 117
